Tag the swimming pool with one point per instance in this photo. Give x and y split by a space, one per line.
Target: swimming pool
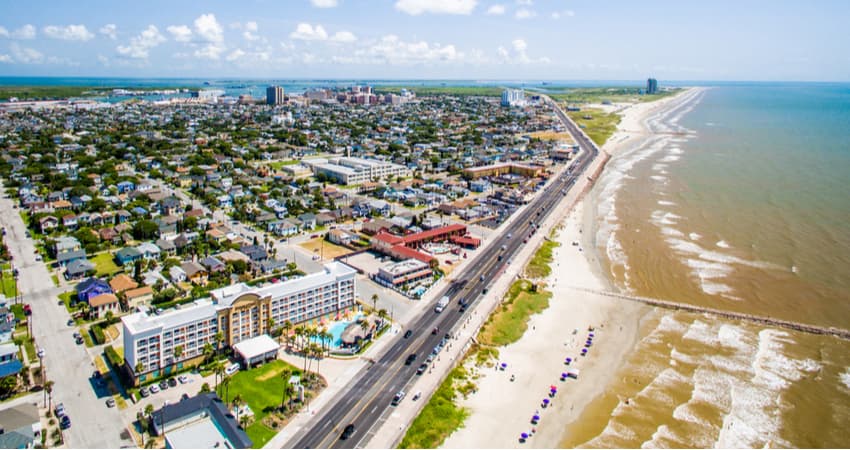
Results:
336 328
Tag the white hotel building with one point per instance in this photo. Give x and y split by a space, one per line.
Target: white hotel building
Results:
349 170
238 311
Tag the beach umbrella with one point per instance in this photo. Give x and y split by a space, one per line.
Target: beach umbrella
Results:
563 376
553 388
590 335
584 352
568 361
523 436
545 401
504 365
535 418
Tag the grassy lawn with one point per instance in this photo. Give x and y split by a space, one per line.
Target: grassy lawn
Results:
440 417
552 136
105 264
31 353
55 279
66 299
7 281
509 322
598 124
278 164
540 264
331 250
262 389
612 94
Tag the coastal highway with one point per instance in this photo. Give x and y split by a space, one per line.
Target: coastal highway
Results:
365 398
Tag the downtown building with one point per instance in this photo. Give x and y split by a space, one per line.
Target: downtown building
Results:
160 344
274 95
513 97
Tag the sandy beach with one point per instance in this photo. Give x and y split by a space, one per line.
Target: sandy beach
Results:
502 409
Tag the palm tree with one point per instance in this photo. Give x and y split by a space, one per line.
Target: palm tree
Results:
218 368
374 302
48 389
244 421
178 352
149 410
271 325
319 353
225 384
287 328
218 338
382 313
208 351
237 404
139 368
285 374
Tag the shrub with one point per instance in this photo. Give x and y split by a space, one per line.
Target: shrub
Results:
113 357
97 333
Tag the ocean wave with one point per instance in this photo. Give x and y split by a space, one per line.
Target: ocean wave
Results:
666 203
845 378
723 244
694 236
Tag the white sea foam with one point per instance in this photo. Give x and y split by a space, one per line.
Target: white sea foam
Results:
658 178
670 158
666 203
663 437
845 378
675 151
659 167
723 244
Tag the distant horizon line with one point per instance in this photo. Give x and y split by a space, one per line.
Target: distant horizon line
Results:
402 79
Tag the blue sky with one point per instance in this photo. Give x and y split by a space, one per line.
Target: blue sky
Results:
460 39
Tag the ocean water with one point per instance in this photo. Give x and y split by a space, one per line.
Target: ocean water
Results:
737 200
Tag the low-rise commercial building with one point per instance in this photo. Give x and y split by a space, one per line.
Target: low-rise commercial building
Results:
403 272
346 170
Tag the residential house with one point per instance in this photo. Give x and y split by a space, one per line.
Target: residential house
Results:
270 265
109 235
66 244
122 282
308 221
10 365
212 264
255 252
283 227
177 274
21 426
99 305
138 296
148 250
91 288
127 255
325 218
195 273
125 187
65 258
340 237
47 223
78 269
376 226
169 205
123 215
166 246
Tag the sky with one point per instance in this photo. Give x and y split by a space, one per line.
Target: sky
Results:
429 39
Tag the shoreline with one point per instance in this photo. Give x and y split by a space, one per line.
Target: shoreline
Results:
535 359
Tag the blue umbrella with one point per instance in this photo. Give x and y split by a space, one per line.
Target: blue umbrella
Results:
590 335
535 418
563 376
504 365
583 352
545 401
523 436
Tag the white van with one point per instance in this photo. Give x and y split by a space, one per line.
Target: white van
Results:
231 369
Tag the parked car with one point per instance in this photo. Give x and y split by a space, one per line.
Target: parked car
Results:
154 389
79 340
110 402
399 396
71 322
422 368
172 382
65 422
60 410
185 396
408 333
163 385
231 369
183 379
144 392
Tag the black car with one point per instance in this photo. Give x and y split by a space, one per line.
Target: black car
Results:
347 432
65 422
422 368
410 358
408 333
172 382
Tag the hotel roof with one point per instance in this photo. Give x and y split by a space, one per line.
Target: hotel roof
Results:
142 321
332 272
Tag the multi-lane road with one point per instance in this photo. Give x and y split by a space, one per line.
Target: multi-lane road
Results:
366 398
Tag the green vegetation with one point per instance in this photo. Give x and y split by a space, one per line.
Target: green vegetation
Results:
105 264
29 345
509 322
66 298
97 332
8 281
440 417
611 94
539 266
61 92
598 124
113 357
278 164
463 91
18 311
262 390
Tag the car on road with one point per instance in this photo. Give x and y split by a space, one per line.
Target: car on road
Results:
422 368
38 258
435 331
154 389
172 382
144 392
410 358
399 396
60 410
110 402
347 432
183 379
71 322
408 333
185 396
65 422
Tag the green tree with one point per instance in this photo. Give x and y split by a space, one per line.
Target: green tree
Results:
145 229
137 271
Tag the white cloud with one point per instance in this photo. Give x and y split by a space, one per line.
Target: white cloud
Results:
4 33
210 51
140 46
235 54
392 50
181 33
518 54
25 32
525 2
343 36
566 13
109 30
306 32
69 33
524 13
519 45
416 7
250 31
496 10
5 59
209 29
26 55
324 3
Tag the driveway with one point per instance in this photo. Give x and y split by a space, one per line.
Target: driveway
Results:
67 364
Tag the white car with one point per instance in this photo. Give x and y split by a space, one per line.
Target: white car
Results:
231 369
183 379
154 389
